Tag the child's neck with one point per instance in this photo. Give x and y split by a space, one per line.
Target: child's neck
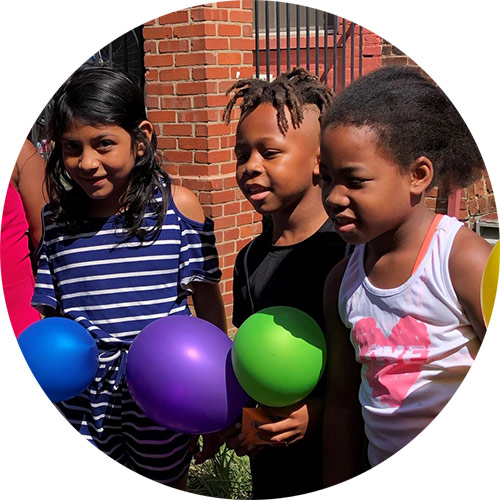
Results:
297 223
102 208
389 259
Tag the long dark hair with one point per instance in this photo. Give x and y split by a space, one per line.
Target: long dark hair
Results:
99 95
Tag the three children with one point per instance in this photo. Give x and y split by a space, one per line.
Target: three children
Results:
122 246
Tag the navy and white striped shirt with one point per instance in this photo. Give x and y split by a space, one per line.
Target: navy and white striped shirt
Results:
114 288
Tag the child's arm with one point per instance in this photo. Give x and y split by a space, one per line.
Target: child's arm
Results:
207 299
343 432
208 304
28 175
468 258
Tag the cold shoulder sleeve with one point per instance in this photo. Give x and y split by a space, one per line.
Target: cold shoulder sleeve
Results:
199 260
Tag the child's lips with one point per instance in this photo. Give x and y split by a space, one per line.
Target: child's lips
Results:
259 196
257 192
93 180
344 224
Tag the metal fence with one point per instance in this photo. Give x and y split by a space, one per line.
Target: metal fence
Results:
125 53
289 35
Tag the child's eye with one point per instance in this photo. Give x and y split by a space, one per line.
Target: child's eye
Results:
270 153
241 158
324 174
71 148
104 145
355 183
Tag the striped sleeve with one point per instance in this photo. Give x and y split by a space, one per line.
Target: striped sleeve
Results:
199 260
44 296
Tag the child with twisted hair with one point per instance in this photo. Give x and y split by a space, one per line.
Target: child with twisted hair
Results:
277 169
404 321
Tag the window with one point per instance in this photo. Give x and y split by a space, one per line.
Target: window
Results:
280 15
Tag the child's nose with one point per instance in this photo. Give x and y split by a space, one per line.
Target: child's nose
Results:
88 160
253 164
336 196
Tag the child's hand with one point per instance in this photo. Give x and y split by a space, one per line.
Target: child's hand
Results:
291 425
234 441
194 446
211 444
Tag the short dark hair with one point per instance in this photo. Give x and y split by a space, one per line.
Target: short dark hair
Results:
412 117
294 89
100 95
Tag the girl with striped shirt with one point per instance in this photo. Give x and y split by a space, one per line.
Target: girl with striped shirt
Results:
122 247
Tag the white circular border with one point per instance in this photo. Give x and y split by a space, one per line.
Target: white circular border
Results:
43 42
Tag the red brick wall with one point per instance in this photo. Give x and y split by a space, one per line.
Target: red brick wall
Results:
391 55
192 58
477 200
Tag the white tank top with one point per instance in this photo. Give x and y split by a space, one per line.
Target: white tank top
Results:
415 344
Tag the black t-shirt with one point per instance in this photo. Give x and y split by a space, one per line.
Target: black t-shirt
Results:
267 275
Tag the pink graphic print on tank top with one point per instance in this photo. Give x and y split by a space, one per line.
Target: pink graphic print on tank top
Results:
393 362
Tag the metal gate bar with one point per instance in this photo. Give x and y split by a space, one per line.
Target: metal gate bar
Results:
321 38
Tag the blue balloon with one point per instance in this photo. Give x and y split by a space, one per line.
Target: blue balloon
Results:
62 355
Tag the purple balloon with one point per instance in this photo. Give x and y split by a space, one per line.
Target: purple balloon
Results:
179 372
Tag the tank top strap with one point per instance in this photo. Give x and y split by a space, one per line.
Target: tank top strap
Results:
427 241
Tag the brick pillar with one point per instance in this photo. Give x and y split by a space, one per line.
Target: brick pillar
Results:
192 57
392 56
372 51
477 200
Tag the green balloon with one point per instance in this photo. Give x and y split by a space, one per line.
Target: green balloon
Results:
279 355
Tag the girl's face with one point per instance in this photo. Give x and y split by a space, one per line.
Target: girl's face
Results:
99 159
273 170
364 193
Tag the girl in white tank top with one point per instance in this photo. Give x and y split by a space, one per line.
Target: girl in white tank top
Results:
408 298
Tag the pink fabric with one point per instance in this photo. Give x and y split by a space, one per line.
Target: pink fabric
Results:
408 348
17 276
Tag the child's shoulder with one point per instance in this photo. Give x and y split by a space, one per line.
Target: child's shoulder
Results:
468 257
48 215
469 250
187 204
331 289
335 276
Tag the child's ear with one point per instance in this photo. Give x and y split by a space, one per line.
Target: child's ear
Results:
422 173
146 128
316 164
